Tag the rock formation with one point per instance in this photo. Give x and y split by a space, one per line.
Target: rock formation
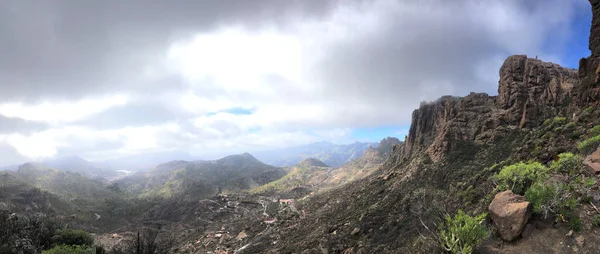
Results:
529 92
510 212
592 162
589 68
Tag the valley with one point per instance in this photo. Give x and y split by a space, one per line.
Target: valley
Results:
514 172
207 206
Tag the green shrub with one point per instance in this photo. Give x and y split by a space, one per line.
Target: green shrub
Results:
582 187
596 220
556 121
518 177
70 249
567 163
576 134
462 233
73 237
590 145
26 233
554 200
544 198
570 126
575 223
547 121
595 131
548 135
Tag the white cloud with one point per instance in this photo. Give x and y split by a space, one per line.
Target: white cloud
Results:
362 64
237 59
56 112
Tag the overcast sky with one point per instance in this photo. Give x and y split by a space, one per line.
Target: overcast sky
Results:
103 79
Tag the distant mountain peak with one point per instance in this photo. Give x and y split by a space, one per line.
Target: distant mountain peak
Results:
311 162
238 159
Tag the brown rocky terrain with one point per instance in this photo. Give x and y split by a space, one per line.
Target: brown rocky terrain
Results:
454 148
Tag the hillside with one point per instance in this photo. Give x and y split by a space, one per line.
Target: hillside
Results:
313 175
455 157
299 181
363 166
202 178
331 154
65 184
18 196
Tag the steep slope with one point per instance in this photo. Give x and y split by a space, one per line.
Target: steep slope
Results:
299 181
331 154
202 178
454 147
18 196
365 165
314 175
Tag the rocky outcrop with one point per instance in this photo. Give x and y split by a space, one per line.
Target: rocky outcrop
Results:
530 91
435 126
589 68
386 145
510 213
592 162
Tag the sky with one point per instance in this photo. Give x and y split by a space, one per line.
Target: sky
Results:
104 79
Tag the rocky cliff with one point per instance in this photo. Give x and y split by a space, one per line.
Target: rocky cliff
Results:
529 92
589 68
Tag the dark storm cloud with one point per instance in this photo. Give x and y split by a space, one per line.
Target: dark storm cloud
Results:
61 48
441 48
10 125
369 65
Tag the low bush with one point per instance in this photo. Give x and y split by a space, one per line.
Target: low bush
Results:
589 145
568 163
556 121
73 237
596 220
518 177
557 200
595 131
545 199
462 233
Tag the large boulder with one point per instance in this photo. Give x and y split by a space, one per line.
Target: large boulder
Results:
510 213
592 162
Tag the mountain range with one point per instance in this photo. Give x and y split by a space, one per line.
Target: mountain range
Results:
331 154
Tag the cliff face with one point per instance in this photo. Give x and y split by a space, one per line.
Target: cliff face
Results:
529 92
589 68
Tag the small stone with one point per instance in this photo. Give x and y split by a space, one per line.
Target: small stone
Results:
570 233
241 236
580 240
355 231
